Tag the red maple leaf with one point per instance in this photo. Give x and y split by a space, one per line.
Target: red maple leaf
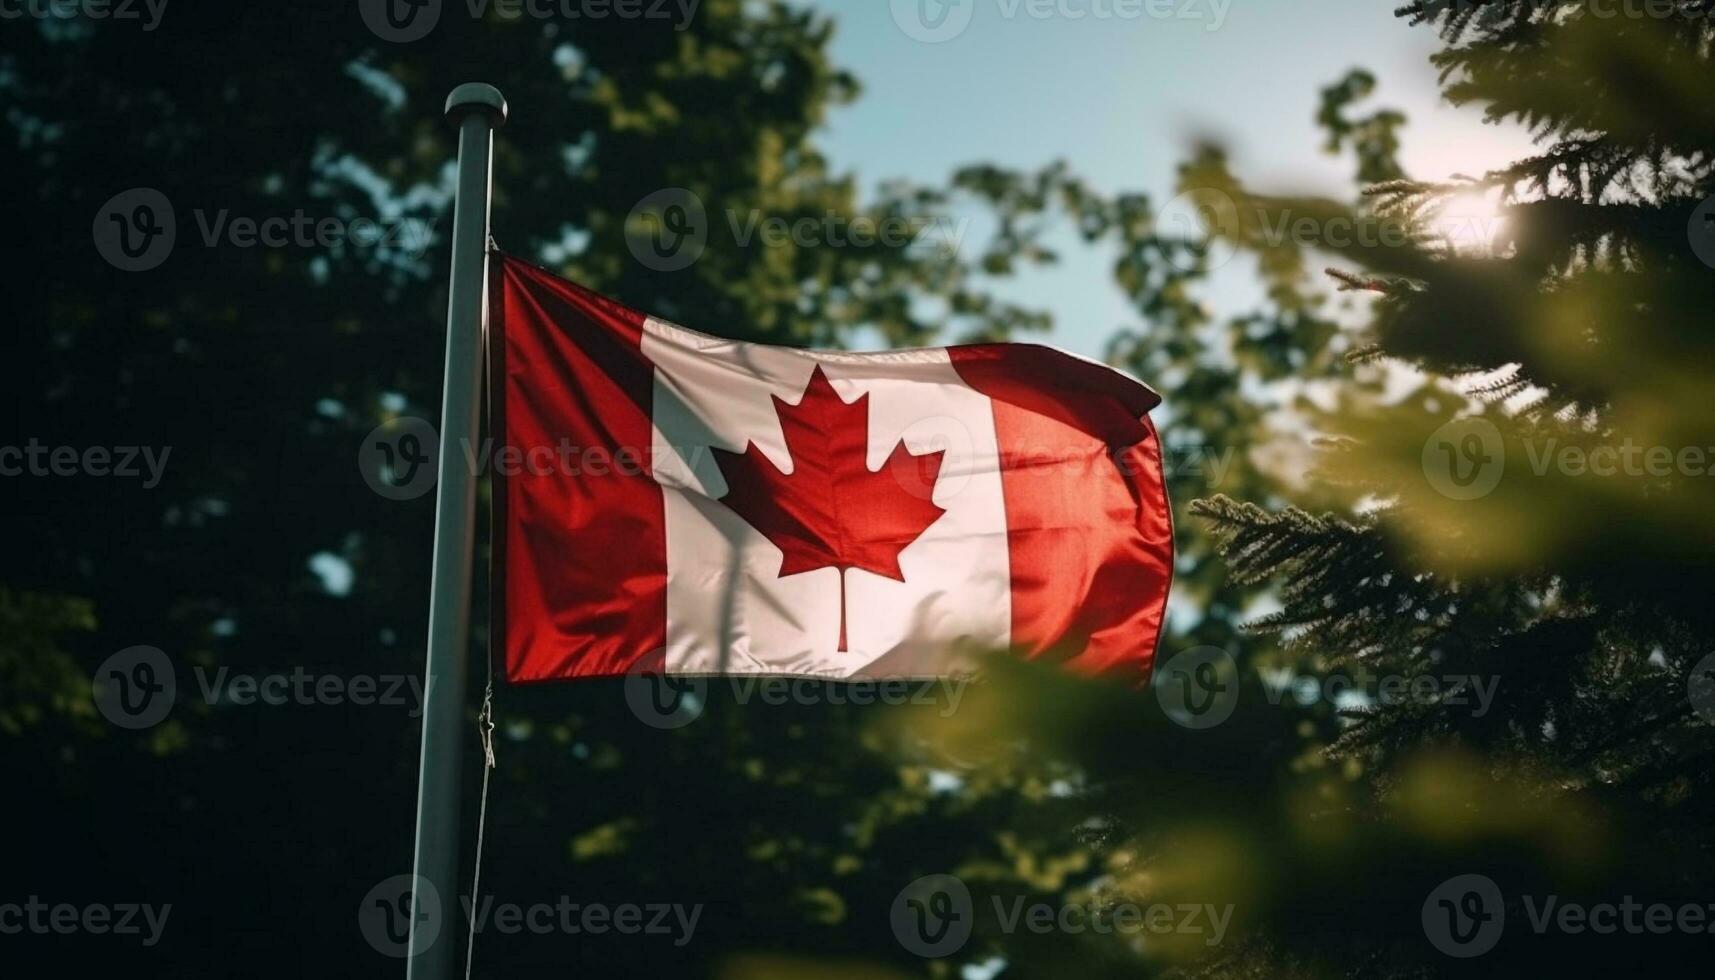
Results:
832 511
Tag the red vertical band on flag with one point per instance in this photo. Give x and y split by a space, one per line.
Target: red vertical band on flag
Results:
1089 528
581 552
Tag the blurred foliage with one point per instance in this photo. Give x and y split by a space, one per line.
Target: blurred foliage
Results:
39 682
1573 324
1295 436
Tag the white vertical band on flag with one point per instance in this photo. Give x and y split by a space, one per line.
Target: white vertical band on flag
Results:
724 593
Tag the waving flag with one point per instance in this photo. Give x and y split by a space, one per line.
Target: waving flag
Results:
725 507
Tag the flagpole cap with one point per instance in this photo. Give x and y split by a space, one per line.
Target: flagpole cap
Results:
478 96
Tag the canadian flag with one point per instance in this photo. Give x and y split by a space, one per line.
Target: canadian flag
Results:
705 506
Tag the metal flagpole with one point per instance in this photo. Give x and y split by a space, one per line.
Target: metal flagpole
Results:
478 110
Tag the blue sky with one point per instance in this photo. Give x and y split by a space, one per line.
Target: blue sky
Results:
1120 95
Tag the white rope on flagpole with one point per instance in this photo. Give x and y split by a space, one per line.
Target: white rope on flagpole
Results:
485 727
484 718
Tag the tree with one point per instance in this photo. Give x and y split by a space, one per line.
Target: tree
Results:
1469 535
261 550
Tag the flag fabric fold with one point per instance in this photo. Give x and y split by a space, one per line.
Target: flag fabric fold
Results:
702 506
